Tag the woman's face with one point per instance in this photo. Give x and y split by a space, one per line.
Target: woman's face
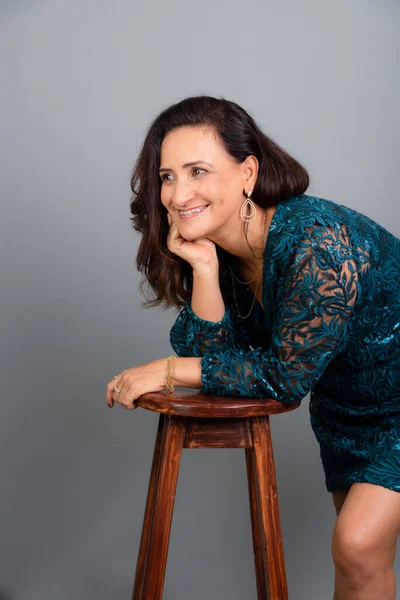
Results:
212 179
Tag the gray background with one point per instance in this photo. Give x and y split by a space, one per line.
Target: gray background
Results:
80 83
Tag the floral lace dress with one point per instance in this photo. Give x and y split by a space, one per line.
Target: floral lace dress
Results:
330 327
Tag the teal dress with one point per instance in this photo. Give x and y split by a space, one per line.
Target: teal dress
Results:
330 327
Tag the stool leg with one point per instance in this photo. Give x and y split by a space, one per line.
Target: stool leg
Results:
150 582
144 540
268 510
259 551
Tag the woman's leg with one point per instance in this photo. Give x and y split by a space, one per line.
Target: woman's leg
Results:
364 542
339 498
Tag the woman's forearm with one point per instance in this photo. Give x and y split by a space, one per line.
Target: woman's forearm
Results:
188 372
207 302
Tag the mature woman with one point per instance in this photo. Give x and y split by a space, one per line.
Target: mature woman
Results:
283 294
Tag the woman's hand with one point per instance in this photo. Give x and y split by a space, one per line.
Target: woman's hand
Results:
134 382
199 253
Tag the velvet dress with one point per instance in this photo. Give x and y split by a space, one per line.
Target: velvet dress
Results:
330 327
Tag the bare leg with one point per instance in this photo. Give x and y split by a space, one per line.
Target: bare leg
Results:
364 543
385 586
338 500
381 584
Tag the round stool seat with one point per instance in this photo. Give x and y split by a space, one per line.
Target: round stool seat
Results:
191 404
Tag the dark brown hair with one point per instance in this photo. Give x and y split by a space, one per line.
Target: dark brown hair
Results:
280 177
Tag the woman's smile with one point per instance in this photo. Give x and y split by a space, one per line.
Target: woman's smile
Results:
197 211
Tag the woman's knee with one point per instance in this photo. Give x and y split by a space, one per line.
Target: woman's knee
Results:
366 529
355 550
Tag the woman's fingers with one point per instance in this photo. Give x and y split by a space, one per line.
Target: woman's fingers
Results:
109 392
124 397
134 382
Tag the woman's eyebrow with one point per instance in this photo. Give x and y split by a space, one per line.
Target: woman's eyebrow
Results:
189 164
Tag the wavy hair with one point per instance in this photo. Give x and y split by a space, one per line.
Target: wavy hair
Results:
280 176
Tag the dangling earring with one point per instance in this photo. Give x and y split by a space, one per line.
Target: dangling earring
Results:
252 215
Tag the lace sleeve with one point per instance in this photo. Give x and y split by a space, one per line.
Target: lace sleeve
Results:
192 336
316 293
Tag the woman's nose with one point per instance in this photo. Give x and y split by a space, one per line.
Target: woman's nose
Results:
182 194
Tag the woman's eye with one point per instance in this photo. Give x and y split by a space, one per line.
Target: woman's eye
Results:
197 169
163 177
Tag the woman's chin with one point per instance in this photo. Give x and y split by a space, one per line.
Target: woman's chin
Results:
194 235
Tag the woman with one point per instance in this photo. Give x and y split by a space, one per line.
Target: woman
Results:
283 294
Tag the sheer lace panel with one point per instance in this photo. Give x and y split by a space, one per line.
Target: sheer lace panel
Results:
192 336
317 291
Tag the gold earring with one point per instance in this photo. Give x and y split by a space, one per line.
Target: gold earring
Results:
252 215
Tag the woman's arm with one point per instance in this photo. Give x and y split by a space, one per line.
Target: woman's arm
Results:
187 371
315 311
207 302
205 324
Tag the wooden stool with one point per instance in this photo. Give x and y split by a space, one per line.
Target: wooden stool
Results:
193 420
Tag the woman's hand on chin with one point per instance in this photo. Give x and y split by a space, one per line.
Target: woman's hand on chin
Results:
135 382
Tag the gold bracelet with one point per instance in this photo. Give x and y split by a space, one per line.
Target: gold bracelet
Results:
170 373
